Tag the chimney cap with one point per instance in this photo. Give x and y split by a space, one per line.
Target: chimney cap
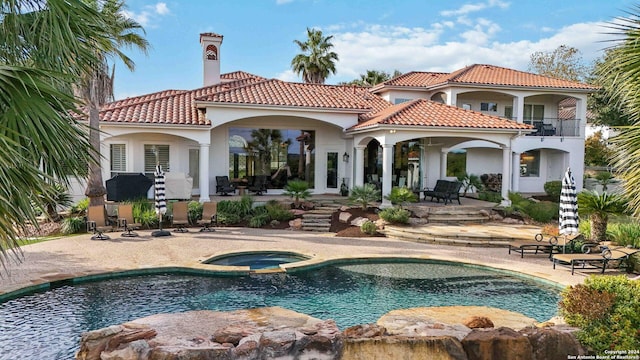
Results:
210 34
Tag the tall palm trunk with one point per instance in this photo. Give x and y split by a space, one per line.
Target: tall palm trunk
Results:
95 190
598 226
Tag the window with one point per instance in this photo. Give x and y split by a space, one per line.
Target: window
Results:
118 158
530 163
456 162
466 106
488 106
194 167
400 100
508 112
533 113
155 155
332 170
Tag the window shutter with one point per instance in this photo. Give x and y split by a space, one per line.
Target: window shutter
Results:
118 158
156 155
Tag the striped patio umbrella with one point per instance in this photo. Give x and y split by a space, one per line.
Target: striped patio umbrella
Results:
161 201
568 205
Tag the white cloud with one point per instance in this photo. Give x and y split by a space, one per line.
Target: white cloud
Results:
288 75
387 48
471 8
162 8
149 15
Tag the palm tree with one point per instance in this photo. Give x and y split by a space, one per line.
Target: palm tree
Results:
598 207
44 50
317 60
621 72
96 86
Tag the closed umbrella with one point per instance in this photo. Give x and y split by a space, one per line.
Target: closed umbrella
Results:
161 201
568 205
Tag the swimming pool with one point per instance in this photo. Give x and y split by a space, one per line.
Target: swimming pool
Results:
48 324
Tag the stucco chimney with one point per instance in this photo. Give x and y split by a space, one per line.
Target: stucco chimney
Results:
210 58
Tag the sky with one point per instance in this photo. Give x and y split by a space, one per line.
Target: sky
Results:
404 35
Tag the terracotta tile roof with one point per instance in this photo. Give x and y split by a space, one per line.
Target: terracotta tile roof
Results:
170 106
281 93
422 112
481 74
240 75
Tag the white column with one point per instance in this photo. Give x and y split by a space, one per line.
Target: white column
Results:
204 172
515 166
387 170
443 163
518 108
452 98
506 175
359 164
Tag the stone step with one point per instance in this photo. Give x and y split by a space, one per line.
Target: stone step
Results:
317 216
435 239
454 235
324 228
316 223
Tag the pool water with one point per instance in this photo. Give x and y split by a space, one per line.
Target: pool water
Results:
47 325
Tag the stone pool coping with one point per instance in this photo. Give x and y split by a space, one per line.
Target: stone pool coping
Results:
57 261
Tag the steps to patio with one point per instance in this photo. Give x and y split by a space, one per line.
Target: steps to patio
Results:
319 219
486 235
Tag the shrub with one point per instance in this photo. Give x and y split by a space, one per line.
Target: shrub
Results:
225 218
368 227
401 195
146 218
553 189
543 211
624 234
395 215
72 224
297 189
364 195
194 211
240 208
490 196
607 311
278 211
80 207
259 220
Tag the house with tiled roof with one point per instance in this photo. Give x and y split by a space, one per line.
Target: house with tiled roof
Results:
408 131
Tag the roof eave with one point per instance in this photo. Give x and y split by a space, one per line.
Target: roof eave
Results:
512 87
443 128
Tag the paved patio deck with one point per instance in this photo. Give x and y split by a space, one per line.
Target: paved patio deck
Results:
80 256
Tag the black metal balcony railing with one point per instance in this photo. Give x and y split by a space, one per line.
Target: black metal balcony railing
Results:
555 127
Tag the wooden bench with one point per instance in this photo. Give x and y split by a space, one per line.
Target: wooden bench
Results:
444 190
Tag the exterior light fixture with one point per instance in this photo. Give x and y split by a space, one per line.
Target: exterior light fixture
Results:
345 157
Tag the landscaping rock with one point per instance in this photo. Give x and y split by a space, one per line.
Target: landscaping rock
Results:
295 224
244 334
364 331
478 322
553 343
344 217
359 221
497 344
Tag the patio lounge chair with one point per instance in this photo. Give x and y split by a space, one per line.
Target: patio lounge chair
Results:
180 216
209 216
97 222
599 261
125 220
554 244
259 184
223 186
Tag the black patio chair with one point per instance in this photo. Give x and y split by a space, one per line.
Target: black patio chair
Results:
259 185
224 186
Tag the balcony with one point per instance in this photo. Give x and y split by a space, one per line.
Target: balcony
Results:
555 127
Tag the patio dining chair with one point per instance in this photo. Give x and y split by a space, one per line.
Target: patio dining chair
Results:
126 221
97 222
224 186
209 216
180 216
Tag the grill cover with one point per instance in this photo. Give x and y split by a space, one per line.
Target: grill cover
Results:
123 187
